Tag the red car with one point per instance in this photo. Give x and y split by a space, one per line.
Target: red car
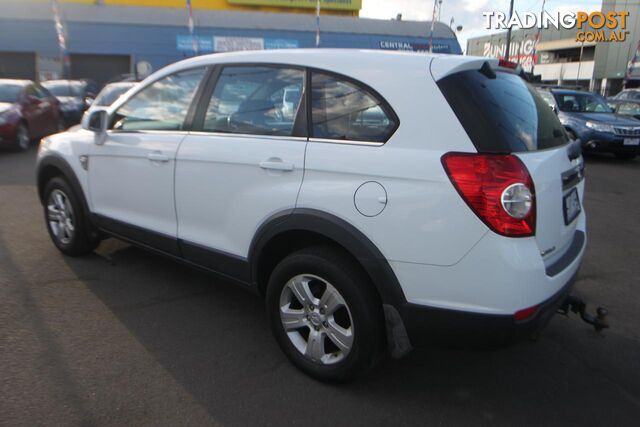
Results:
27 112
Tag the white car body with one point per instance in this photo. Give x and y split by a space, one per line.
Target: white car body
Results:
217 191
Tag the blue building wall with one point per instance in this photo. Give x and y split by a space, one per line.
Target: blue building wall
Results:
158 44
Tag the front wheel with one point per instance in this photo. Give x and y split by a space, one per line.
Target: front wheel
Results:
65 219
23 139
325 315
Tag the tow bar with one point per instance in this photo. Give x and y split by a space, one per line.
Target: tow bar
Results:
578 306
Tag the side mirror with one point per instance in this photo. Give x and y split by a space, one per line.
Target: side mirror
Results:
96 121
88 101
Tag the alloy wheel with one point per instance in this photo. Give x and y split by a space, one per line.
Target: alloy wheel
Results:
60 216
316 319
23 137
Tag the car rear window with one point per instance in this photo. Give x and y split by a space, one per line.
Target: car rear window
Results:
501 112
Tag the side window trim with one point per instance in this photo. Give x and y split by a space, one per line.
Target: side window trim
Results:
203 103
188 120
384 105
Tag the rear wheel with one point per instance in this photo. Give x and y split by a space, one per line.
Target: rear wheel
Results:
65 219
325 314
23 139
625 156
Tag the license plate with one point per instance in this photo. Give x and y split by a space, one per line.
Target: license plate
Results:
631 141
572 206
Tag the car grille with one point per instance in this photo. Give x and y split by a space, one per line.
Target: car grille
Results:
627 131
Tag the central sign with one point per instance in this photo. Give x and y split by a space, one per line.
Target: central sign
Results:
325 4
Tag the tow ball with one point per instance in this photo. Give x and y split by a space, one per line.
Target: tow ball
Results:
578 306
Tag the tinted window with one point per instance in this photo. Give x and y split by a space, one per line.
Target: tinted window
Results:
10 92
255 100
629 108
344 110
66 88
547 97
41 92
110 94
501 113
31 91
161 106
582 103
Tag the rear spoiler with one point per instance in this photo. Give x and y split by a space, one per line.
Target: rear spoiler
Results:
444 66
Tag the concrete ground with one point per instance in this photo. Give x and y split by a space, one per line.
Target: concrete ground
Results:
124 337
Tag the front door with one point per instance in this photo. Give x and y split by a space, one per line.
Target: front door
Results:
131 175
243 164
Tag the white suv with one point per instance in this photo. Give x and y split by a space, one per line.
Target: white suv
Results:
410 198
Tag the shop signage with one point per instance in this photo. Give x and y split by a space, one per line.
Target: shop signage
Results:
324 4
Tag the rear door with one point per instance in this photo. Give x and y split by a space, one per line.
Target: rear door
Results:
503 114
243 162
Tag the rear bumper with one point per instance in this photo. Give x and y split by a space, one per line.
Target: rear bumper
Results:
426 325
475 301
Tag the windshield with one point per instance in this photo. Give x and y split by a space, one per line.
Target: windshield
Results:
110 94
502 113
582 103
65 88
10 92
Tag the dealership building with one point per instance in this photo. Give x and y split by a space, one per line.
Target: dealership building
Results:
561 59
106 38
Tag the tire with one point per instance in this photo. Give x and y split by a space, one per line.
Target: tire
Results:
65 219
342 339
625 156
23 138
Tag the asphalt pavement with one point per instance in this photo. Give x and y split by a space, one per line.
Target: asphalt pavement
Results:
125 337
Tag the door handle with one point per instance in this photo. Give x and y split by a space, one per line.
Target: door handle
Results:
158 157
277 165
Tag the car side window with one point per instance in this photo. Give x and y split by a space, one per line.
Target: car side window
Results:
629 108
163 105
548 98
623 95
345 110
31 91
256 100
41 92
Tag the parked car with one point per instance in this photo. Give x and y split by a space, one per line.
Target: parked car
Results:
27 112
383 216
587 116
629 108
626 94
110 93
75 97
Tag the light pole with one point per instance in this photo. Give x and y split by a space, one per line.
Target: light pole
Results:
579 64
506 55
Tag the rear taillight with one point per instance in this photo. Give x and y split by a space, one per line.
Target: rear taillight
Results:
526 313
498 188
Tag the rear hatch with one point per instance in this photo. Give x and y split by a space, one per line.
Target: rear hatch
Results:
503 114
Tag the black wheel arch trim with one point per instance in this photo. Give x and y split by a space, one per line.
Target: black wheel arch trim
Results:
341 232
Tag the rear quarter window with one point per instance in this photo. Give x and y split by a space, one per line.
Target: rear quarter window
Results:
502 114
